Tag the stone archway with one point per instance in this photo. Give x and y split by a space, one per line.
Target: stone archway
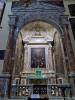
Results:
14 62
24 16
42 36
24 20
35 35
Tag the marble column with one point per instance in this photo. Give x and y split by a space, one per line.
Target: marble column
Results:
64 63
51 66
25 57
50 61
54 67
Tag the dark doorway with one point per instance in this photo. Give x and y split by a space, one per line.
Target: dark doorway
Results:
38 99
40 89
39 92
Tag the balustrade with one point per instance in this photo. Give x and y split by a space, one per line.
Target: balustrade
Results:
42 90
21 90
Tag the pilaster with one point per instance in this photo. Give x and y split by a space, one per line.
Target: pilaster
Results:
50 61
9 54
26 57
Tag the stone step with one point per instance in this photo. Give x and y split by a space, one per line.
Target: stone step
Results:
51 98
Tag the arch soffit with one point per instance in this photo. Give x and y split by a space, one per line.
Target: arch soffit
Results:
22 22
38 29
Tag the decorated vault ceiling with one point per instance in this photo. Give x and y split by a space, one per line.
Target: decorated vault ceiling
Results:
38 29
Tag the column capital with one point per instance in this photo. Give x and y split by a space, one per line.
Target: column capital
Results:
25 43
49 46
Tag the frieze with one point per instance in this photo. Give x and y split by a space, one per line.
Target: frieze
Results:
42 7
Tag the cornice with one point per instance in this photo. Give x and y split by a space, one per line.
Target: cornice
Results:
38 7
